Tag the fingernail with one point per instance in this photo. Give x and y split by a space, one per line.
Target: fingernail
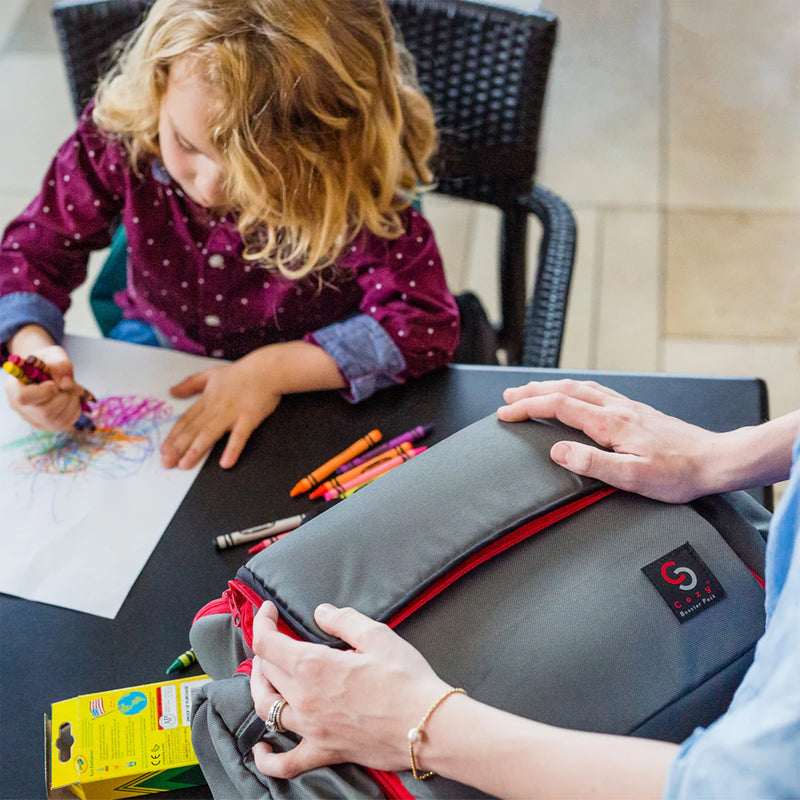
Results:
560 452
325 608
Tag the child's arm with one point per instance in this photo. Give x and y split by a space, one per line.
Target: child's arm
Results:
408 325
237 398
45 250
53 405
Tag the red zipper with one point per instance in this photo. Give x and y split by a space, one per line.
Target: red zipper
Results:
218 606
390 783
240 600
494 549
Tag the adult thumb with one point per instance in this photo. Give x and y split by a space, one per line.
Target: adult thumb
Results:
581 459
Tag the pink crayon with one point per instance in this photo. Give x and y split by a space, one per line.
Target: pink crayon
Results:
371 474
408 436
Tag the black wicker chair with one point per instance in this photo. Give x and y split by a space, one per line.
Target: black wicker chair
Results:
484 69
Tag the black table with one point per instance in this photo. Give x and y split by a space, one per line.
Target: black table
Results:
49 654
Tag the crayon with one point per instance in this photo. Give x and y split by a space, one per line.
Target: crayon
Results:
182 662
336 482
375 472
265 543
34 370
321 473
257 532
408 436
358 488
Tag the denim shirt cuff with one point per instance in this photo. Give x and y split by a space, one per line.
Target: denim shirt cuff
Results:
25 308
366 355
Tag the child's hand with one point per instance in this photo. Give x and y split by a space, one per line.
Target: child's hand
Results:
54 405
240 396
235 398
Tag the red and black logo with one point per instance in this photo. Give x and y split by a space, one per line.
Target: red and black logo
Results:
685 582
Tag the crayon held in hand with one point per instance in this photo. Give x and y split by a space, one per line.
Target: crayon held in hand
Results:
34 370
320 473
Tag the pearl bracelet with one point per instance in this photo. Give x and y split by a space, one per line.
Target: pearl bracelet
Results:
415 735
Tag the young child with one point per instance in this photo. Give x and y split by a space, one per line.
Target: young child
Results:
260 155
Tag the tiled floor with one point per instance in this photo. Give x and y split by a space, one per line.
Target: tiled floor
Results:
672 129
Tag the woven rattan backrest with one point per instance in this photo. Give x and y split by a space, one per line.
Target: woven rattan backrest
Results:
87 33
484 68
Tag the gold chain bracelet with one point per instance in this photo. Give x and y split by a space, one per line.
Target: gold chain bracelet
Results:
415 735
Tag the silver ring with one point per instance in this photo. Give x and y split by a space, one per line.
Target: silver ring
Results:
273 721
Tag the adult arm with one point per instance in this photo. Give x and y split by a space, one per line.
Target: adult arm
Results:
649 452
358 706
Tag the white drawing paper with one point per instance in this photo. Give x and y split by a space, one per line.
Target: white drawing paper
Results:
82 512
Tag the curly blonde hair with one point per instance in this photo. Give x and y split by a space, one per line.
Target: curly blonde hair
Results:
315 112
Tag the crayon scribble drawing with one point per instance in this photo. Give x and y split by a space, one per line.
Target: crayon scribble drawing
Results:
127 436
83 510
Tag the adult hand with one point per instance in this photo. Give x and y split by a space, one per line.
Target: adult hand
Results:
235 398
54 405
355 705
652 454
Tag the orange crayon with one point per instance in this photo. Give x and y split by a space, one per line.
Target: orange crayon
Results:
337 481
375 472
321 473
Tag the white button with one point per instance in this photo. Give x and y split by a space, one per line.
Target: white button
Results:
218 353
213 320
217 261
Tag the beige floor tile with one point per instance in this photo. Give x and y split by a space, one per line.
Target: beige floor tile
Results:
580 331
601 125
451 220
482 257
79 319
734 94
733 275
33 91
629 291
777 363
10 13
11 205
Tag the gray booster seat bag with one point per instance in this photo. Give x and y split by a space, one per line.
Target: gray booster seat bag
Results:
543 593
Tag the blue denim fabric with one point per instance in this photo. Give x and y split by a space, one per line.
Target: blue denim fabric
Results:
366 355
23 308
753 750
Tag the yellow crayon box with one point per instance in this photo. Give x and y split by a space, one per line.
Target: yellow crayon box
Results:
124 742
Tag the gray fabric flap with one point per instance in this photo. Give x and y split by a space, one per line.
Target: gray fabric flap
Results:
417 522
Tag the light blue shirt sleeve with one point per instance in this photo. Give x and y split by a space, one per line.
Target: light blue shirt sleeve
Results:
753 750
24 308
366 355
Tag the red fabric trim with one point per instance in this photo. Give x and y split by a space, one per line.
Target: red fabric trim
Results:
759 579
392 786
218 606
245 668
495 548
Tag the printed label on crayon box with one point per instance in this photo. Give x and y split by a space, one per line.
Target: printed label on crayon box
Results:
124 733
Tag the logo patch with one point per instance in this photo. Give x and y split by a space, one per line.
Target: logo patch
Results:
685 582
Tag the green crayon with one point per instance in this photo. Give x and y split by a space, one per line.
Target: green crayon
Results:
182 662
